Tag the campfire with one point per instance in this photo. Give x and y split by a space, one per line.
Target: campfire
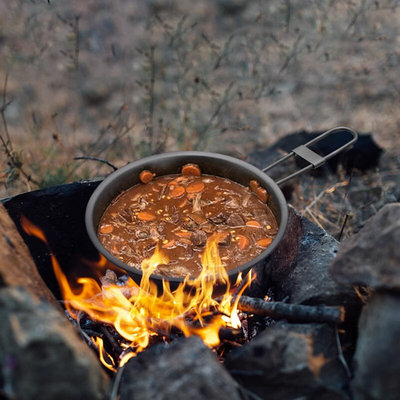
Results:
140 314
282 331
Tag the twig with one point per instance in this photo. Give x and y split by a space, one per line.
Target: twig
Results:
291 55
248 394
315 219
224 52
13 158
74 26
76 49
340 354
150 127
291 312
343 226
104 130
203 136
116 383
356 15
3 109
96 159
316 199
344 203
288 14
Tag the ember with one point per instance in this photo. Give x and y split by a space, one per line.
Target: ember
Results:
140 312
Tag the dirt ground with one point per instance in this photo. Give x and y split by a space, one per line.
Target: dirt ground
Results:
124 79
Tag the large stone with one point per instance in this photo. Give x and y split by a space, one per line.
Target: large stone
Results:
41 355
365 202
376 360
16 266
298 269
185 369
372 256
291 361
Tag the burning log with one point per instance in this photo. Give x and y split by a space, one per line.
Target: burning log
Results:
291 312
17 267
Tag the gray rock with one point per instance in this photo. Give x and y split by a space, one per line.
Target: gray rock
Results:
291 361
185 369
299 267
366 202
376 360
372 256
41 355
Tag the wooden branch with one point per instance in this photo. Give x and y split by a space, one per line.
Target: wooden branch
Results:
96 159
291 312
16 265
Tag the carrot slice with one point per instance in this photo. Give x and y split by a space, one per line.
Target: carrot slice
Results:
262 194
183 203
254 224
177 191
264 242
146 216
195 187
254 185
242 241
183 234
146 176
169 244
191 169
106 229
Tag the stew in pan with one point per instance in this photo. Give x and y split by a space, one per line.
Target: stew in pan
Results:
180 212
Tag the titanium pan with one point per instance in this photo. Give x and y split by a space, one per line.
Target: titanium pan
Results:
213 164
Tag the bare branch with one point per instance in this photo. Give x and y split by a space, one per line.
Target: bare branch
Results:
96 159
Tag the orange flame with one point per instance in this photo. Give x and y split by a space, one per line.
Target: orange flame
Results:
141 312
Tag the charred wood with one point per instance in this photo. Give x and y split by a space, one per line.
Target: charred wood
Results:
291 312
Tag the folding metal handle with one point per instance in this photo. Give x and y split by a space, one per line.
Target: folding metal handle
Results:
314 159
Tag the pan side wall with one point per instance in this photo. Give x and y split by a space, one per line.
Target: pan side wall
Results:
171 163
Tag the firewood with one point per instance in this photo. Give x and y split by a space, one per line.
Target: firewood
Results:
291 312
17 267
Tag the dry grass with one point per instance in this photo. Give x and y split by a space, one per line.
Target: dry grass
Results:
121 80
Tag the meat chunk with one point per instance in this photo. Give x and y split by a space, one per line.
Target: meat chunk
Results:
225 239
219 218
199 238
198 218
235 220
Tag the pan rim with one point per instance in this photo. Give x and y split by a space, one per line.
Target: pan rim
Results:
98 194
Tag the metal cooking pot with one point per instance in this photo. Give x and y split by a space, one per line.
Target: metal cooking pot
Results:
213 164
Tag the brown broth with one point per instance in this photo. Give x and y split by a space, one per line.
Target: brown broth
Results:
180 212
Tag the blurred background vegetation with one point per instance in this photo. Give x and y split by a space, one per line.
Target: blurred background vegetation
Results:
122 79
